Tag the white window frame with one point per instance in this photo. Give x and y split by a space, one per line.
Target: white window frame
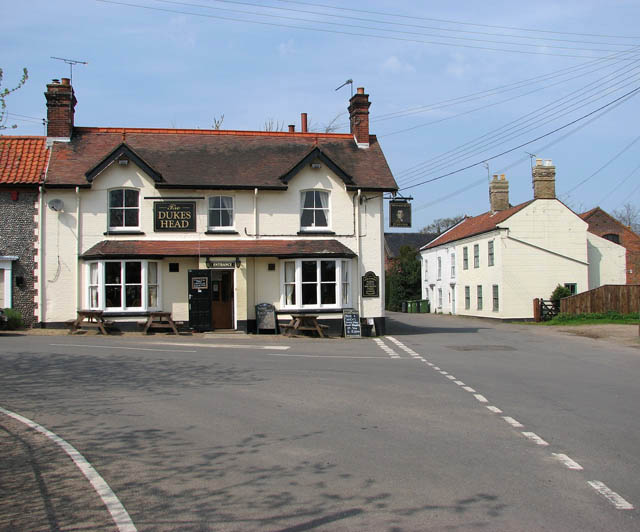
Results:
476 255
342 300
479 297
439 261
123 228
495 295
229 227
453 265
101 285
491 250
319 228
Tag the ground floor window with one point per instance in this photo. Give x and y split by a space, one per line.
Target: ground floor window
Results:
479 296
496 300
467 297
127 285
315 283
573 288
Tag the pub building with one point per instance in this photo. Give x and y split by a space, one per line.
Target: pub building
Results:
207 224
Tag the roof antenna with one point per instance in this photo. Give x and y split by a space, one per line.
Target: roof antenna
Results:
532 156
348 82
486 165
71 62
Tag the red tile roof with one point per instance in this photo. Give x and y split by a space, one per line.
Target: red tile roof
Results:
221 248
23 160
218 159
475 225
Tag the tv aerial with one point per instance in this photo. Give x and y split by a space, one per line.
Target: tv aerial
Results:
71 63
348 82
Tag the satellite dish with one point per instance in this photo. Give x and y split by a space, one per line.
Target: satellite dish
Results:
56 204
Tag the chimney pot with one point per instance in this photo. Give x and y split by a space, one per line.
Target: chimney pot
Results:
292 128
55 81
360 90
303 120
544 179
66 81
538 162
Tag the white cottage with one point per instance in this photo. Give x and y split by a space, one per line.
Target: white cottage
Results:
206 224
495 264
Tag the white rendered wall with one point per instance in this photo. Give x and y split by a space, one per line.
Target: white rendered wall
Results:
607 262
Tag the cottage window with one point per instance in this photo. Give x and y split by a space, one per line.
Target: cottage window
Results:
476 255
315 210
490 256
439 268
426 270
465 258
467 297
496 302
479 296
439 297
220 212
120 286
453 265
612 237
124 209
316 283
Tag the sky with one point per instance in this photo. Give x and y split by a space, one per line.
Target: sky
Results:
459 91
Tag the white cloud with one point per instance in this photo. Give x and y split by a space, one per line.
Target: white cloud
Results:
394 65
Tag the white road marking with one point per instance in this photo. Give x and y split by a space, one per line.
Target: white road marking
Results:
124 348
535 438
468 389
230 346
324 356
404 347
459 383
495 409
436 368
451 377
118 513
568 462
481 398
386 348
444 373
513 422
611 496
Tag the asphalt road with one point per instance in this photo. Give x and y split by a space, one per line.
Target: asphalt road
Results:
266 433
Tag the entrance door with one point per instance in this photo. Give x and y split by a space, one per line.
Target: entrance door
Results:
222 299
200 300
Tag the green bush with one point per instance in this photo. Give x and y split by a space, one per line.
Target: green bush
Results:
611 316
558 293
14 319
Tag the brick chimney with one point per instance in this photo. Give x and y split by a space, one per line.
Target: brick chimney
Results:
544 179
359 117
61 104
499 193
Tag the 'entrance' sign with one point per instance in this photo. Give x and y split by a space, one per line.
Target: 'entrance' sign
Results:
174 216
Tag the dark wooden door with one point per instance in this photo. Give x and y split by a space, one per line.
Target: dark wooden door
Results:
200 300
222 299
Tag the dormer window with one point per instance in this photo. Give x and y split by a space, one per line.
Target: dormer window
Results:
612 237
315 210
124 209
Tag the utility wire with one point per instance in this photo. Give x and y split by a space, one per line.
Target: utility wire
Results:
351 33
627 95
607 196
413 17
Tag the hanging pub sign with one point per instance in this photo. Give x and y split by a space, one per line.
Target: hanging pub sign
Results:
370 285
174 216
399 213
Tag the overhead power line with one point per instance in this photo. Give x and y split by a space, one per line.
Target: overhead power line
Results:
485 159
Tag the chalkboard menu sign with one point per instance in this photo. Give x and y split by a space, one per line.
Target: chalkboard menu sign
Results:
370 285
266 317
351 320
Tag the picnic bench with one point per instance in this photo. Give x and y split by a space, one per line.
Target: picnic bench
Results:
159 320
303 322
89 318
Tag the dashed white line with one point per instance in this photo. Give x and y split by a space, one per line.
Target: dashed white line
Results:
386 348
495 409
124 348
444 372
535 438
513 422
481 398
451 377
568 462
459 383
611 496
118 513
436 368
468 389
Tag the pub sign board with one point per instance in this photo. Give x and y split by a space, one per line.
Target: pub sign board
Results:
370 285
399 214
174 216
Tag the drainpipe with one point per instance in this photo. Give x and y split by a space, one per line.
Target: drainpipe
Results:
41 300
255 212
359 244
78 228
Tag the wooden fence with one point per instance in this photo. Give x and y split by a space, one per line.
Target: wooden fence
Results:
624 299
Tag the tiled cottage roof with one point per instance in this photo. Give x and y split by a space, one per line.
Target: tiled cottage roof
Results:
218 159
475 225
394 241
221 248
23 160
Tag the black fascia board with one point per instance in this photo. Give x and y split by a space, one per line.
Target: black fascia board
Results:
316 153
200 186
123 149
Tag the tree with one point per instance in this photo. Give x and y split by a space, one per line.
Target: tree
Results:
271 124
628 215
217 122
440 225
4 115
404 278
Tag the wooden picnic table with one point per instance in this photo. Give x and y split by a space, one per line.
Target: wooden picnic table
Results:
303 322
160 320
89 318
